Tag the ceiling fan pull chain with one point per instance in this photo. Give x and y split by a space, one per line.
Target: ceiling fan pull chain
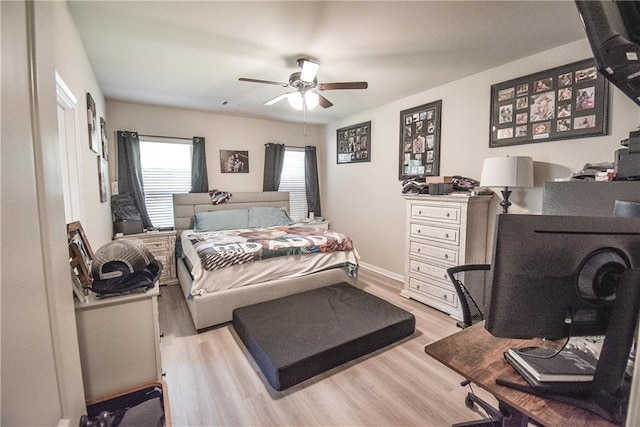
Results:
304 119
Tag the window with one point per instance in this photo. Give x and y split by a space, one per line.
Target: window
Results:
293 181
166 169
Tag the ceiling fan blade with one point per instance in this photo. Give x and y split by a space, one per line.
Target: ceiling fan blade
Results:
269 82
324 102
277 99
343 85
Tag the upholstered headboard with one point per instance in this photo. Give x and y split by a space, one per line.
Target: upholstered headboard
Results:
185 206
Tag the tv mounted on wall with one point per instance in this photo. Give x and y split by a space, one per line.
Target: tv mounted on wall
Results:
613 31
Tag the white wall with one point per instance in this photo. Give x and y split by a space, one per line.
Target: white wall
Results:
41 376
73 65
364 200
220 132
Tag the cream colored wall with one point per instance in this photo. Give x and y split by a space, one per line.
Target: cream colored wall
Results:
73 65
41 381
220 132
364 200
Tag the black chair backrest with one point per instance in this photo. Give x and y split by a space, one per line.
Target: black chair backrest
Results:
471 312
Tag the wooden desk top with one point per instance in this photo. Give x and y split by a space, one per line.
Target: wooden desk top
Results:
478 356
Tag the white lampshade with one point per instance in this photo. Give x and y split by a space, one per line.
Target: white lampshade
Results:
507 172
309 71
311 100
295 99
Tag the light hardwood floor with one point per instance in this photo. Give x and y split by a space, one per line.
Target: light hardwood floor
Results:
212 380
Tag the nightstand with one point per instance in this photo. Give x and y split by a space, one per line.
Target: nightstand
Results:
320 225
162 245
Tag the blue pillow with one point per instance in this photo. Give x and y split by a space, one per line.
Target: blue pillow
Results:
221 220
268 217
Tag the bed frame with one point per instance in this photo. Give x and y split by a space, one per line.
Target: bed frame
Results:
217 307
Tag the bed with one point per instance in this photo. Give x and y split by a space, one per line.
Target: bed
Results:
249 283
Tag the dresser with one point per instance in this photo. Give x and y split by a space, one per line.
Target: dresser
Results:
162 245
442 232
119 340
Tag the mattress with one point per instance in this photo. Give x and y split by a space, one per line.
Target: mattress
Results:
282 267
299 336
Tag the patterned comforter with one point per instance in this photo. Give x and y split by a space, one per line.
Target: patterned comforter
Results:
231 247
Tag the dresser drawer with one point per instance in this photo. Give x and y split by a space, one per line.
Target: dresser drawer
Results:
444 255
445 235
449 214
420 267
157 246
437 293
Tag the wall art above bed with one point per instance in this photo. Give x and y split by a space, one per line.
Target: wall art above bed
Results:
567 102
233 161
420 141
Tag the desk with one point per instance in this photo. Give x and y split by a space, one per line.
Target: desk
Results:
478 356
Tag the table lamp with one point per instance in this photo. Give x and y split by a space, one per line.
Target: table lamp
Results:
507 172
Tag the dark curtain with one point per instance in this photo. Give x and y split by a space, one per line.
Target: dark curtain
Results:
199 178
130 172
273 160
311 180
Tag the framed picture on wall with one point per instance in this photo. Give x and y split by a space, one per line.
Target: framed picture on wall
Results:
103 138
567 102
102 179
354 143
420 141
94 142
233 161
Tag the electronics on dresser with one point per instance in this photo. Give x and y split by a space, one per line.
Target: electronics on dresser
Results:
627 160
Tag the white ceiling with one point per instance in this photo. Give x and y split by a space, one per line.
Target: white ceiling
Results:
190 55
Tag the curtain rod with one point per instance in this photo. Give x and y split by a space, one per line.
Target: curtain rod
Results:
168 137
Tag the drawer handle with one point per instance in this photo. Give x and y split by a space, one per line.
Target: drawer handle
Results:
446 256
420 212
418 250
419 231
448 214
445 296
418 268
446 235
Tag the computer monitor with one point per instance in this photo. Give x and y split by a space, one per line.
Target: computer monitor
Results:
546 267
613 31
562 276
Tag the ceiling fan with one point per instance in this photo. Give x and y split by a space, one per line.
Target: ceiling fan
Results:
306 87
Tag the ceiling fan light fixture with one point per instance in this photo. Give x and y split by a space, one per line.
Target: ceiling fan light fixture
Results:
311 99
309 70
295 100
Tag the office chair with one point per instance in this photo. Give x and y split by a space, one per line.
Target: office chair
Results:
472 314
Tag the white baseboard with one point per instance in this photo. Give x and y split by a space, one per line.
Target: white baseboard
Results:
387 273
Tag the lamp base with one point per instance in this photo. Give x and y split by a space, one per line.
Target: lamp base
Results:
505 203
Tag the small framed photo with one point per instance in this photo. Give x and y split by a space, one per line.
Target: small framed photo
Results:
102 179
78 289
567 102
103 137
420 140
94 141
233 161
80 254
354 143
